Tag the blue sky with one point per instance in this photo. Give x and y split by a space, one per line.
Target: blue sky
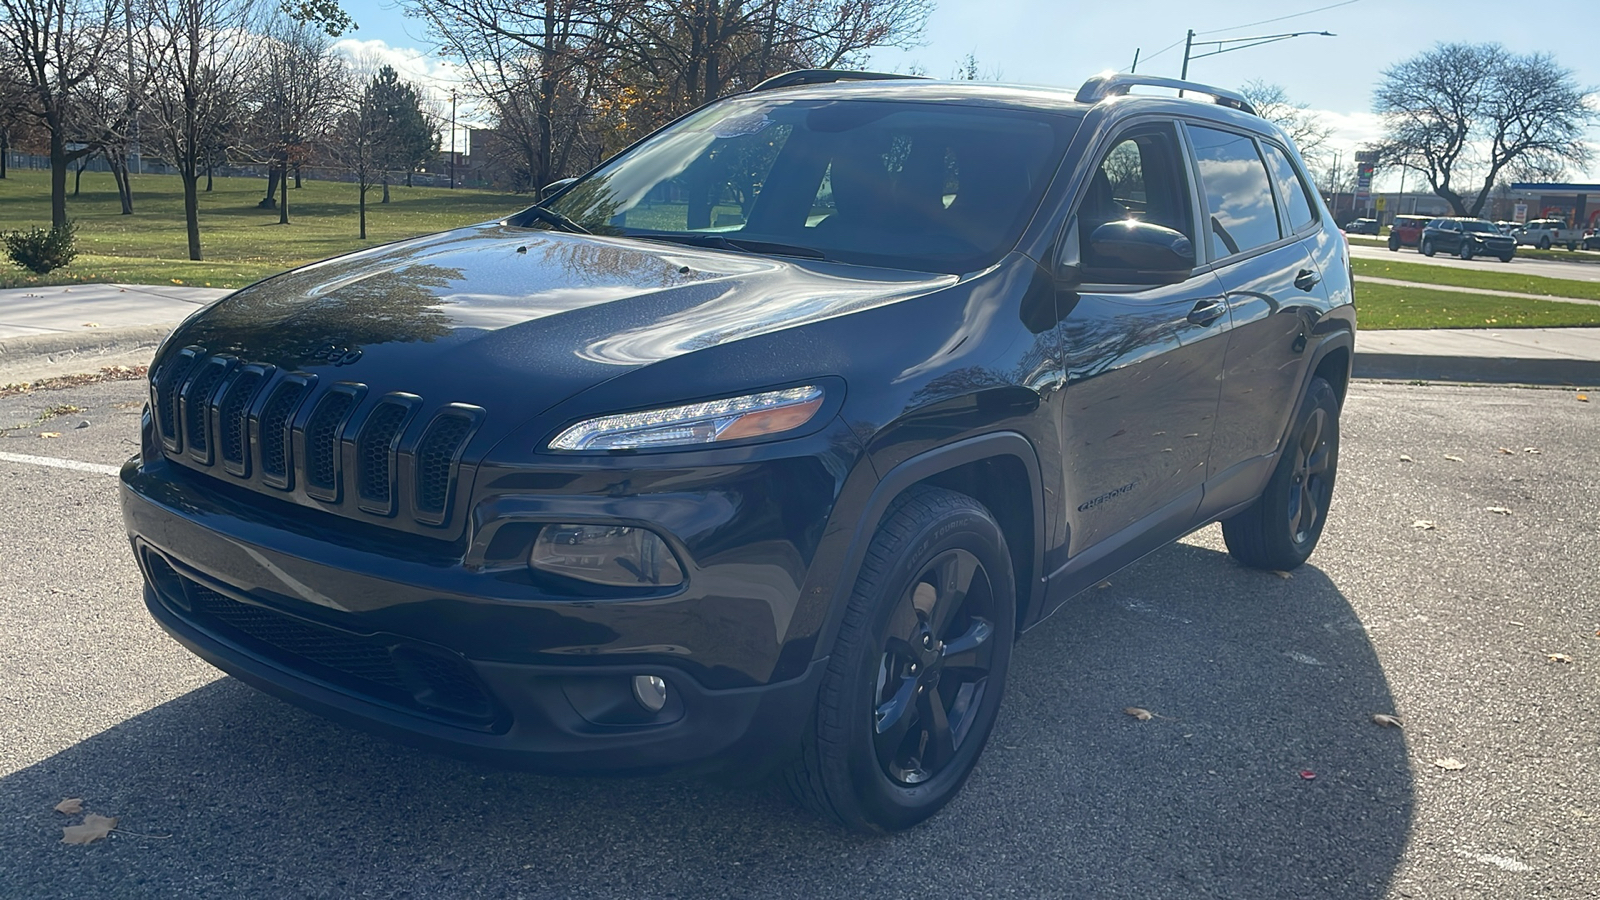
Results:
1061 43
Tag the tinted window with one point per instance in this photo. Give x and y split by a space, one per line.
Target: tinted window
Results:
1292 192
907 185
1481 227
1238 195
1139 178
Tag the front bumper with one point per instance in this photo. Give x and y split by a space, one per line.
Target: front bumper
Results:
418 643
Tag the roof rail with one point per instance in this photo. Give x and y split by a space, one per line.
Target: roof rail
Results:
823 76
1113 84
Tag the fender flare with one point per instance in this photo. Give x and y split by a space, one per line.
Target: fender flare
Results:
1343 339
920 468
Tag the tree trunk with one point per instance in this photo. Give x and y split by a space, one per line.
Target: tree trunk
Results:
362 205
408 180
5 150
58 178
273 173
77 179
210 170
191 208
385 188
297 176
119 173
283 195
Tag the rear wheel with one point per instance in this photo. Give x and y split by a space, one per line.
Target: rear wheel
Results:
1426 247
1465 250
916 674
1394 242
1282 527
1544 243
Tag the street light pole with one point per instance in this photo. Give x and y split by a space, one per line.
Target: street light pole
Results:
1244 42
452 139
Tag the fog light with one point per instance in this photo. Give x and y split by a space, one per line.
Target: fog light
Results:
616 555
650 691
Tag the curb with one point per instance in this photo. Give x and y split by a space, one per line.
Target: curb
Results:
1485 370
68 352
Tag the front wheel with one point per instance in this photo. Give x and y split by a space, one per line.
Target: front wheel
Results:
1544 243
1427 248
1282 527
916 673
1465 250
1506 257
1394 243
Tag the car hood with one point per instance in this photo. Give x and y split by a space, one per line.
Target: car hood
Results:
516 320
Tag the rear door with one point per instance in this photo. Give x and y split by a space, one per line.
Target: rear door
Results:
1259 216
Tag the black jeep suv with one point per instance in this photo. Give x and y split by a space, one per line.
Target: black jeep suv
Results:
1466 238
760 444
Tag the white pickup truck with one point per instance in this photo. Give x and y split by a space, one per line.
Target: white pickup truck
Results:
1543 233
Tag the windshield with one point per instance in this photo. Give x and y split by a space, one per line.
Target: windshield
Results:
939 188
1481 226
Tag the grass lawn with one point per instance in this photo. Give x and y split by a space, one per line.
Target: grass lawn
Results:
1383 306
1424 273
240 243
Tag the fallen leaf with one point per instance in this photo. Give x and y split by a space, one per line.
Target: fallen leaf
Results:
1453 458
1387 720
1507 451
1450 763
1307 774
1282 574
1583 398
1424 525
1143 715
1531 450
49 434
1103 585
1497 510
71 806
1405 458
93 829
1558 657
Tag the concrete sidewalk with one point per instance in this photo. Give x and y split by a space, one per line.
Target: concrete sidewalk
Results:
46 332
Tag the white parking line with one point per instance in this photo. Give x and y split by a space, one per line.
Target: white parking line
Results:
60 463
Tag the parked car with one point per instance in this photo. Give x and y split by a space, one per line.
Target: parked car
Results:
1361 226
1542 233
1591 241
1467 238
606 486
1406 231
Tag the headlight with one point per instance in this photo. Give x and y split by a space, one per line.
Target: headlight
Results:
753 415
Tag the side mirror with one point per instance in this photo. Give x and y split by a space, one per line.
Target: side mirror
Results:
554 188
1135 252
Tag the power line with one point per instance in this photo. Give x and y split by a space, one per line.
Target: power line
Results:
1278 19
1162 50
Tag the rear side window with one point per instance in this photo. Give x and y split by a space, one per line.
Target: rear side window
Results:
1238 194
1292 192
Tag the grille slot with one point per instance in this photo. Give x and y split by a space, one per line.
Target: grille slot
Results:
276 417
197 405
167 385
377 449
322 443
430 681
436 458
233 420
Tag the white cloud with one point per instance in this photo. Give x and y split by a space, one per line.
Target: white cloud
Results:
437 78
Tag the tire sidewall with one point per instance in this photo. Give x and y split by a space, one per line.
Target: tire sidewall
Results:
884 803
1319 395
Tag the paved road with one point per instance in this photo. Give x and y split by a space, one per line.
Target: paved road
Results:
1255 679
1520 265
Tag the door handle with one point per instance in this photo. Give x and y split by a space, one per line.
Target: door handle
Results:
1306 280
1207 311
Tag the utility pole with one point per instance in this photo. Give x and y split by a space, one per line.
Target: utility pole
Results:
452 138
133 117
1135 66
1244 42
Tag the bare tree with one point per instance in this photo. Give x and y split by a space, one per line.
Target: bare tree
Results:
1307 129
1463 114
15 100
296 90
198 52
59 45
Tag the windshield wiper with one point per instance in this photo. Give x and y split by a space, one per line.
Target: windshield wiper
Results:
549 217
739 245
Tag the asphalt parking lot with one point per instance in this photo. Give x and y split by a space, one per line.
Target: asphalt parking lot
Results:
1481 633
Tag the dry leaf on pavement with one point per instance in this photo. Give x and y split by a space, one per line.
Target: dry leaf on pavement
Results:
1531 450
1450 763
49 434
1506 450
1583 398
1143 715
1424 525
1103 585
1497 510
1387 720
71 806
1405 458
93 829
1282 574
1453 458
1558 657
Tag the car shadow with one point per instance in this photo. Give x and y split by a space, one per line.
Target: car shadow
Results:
1260 773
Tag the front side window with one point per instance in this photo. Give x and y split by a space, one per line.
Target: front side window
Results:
1139 178
930 187
1238 194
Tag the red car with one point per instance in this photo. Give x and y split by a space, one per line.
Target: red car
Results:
1406 231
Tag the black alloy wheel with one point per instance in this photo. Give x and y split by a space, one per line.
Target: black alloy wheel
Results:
1466 249
917 671
1426 247
1282 527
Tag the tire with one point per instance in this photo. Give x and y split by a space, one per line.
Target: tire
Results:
1394 243
896 661
1506 257
1571 247
1426 247
1544 243
1282 527
1465 250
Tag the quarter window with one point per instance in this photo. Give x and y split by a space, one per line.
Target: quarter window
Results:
1238 194
1292 192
